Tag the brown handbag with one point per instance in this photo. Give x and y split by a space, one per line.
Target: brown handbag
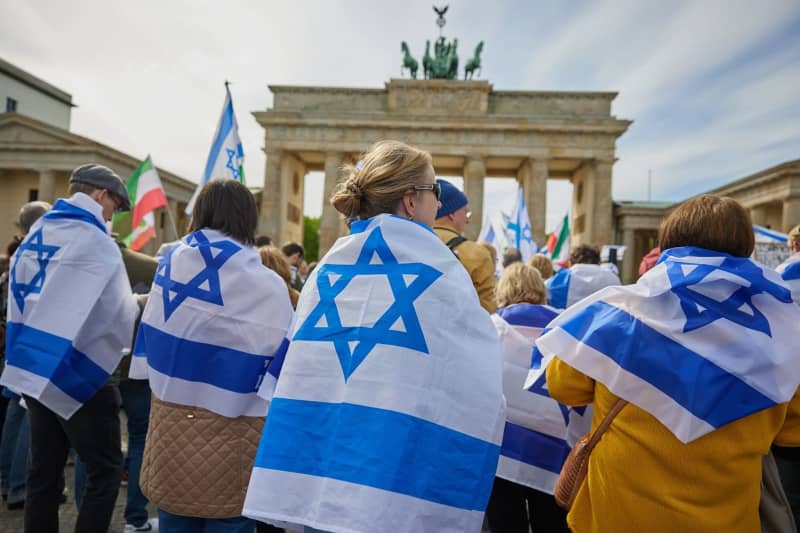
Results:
577 463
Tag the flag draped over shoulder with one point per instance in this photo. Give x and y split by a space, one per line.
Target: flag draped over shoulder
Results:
570 285
70 310
214 320
537 434
388 411
518 229
226 157
790 274
701 340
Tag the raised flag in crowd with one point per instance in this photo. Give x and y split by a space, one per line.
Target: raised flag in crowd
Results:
382 419
716 332
212 300
518 229
146 194
790 273
539 431
226 157
558 242
62 345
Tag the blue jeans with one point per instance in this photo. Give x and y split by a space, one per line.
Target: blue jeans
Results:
172 523
136 402
14 452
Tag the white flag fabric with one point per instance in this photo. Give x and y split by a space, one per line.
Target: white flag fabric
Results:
790 273
214 320
537 435
388 411
518 229
70 308
570 285
226 157
701 340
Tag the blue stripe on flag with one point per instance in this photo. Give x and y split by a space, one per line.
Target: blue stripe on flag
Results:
369 446
225 125
54 358
531 315
65 210
558 289
774 235
534 448
791 272
701 387
274 368
222 367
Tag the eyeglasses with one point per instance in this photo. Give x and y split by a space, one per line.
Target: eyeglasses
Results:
117 201
434 187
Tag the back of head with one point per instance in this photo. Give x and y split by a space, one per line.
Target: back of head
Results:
585 254
291 248
227 206
91 177
510 256
375 186
520 283
263 240
273 259
710 222
543 264
794 236
30 213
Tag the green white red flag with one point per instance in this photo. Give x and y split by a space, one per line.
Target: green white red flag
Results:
558 241
146 194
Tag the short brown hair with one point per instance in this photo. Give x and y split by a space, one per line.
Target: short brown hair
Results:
375 186
227 206
520 283
711 222
584 254
543 264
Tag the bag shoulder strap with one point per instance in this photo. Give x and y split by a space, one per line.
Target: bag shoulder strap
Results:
610 416
455 241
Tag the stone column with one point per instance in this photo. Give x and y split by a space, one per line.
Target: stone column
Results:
791 213
628 270
329 223
47 186
273 197
474 174
534 185
758 214
597 199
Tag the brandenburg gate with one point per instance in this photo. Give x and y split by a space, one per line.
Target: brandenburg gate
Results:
470 129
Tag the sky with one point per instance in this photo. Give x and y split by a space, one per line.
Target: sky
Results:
712 86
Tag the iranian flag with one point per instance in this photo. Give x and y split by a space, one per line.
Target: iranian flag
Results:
146 194
558 241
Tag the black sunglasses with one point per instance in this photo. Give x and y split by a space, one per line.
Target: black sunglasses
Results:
435 187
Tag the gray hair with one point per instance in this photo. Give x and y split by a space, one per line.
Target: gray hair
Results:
30 213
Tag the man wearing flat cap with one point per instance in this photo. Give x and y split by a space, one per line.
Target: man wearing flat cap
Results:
70 318
451 221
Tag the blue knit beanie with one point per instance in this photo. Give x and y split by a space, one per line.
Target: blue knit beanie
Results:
452 199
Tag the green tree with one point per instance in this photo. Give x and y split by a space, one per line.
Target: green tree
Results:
311 238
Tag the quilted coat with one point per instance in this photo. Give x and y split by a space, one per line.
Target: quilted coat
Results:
197 463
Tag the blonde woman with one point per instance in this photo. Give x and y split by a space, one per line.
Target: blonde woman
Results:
273 259
543 264
535 440
393 365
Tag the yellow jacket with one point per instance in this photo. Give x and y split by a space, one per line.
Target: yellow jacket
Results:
478 262
642 478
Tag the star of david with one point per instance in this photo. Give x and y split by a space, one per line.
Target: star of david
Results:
523 235
231 164
44 253
354 343
205 284
700 310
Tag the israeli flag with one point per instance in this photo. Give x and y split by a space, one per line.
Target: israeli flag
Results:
570 285
214 321
226 157
70 308
703 339
539 431
790 274
518 229
389 411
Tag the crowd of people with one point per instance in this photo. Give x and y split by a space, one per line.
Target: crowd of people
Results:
400 384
